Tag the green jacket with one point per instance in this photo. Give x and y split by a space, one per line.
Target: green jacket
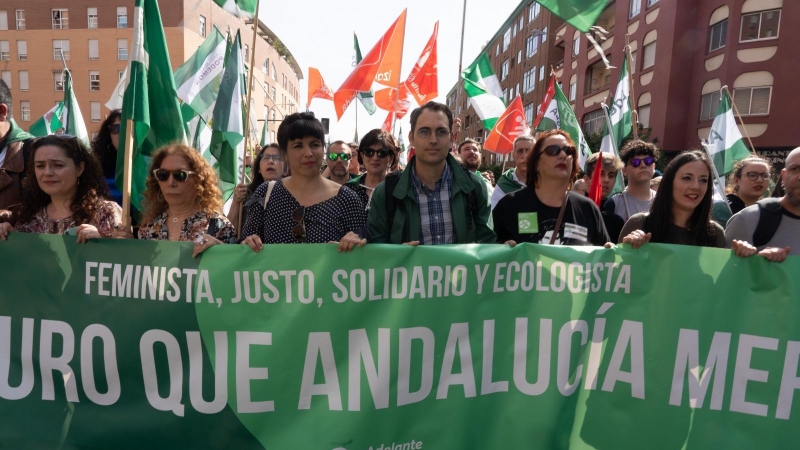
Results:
407 224
507 183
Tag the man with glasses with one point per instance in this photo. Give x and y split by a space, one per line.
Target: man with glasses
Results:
338 160
639 164
433 200
514 179
14 149
470 152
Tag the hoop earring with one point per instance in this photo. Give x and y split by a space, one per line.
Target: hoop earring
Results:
285 171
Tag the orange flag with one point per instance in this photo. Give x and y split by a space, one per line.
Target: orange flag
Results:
382 64
385 99
509 126
423 82
387 124
317 87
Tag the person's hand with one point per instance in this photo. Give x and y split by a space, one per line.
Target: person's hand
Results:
86 232
411 243
254 242
349 242
239 193
122 233
608 245
743 249
775 254
204 242
510 243
637 239
5 228
456 129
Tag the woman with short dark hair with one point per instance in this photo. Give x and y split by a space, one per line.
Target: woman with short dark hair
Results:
377 153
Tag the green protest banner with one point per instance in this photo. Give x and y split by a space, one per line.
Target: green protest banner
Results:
130 345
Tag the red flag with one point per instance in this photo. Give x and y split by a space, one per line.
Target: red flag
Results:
387 124
317 87
596 188
423 82
508 127
548 97
386 98
373 67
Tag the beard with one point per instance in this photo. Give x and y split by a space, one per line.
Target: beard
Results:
339 170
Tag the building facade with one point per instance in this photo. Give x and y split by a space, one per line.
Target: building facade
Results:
95 40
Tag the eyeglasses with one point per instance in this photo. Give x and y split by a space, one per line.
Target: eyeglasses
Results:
554 150
299 230
113 129
179 175
636 162
753 176
342 156
441 133
382 153
275 158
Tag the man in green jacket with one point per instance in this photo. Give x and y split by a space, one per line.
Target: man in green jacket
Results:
514 179
14 144
434 200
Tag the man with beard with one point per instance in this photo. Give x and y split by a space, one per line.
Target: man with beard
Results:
470 152
772 225
514 179
339 156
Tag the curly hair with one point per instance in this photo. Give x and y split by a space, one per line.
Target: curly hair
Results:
206 184
738 168
637 147
90 190
102 145
536 153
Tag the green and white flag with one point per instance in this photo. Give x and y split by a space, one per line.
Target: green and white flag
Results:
558 114
49 122
227 142
366 98
581 14
403 152
483 90
238 8
619 114
150 99
725 144
198 78
71 117
265 131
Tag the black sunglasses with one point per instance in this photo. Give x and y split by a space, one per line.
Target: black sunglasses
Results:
382 153
299 230
179 175
553 150
113 129
636 162
342 156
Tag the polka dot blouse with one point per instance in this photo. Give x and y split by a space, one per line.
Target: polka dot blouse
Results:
325 221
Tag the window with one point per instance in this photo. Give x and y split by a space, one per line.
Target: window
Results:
58 79
266 90
20 13
752 101
497 52
25 111
5 51
517 91
708 105
519 56
541 73
521 23
514 31
274 97
60 46
3 20
633 62
644 115
717 35
649 55
651 3
246 52
529 80
94 80
573 91
544 34
265 67
22 50
597 76
506 39
23 80
60 19
505 95
529 113
593 122
531 46
504 70
92 13
94 49
636 8
122 49
202 26
120 74
576 45
274 74
5 75
94 107
760 25
533 12
122 17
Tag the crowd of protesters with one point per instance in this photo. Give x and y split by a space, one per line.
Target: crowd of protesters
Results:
352 194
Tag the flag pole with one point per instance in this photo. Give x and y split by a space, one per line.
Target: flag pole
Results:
126 175
608 124
744 127
247 110
66 73
719 183
635 113
461 58
399 71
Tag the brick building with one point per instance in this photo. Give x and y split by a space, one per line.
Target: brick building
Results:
95 40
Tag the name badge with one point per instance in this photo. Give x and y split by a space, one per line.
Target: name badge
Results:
572 231
528 223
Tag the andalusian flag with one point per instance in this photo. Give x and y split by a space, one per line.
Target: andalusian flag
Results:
619 114
366 98
238 8
71 116
556 113
49 122
150 98
198 78
581 14
265 131
725 144
483 90
227 142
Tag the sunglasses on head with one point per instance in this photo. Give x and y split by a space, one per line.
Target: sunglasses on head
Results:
648 161
299 230
179 175
114 129
336 156
553 150
382 153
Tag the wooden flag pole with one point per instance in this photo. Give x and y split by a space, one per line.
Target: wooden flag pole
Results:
460 60
738 116
126 175
634 113
399 72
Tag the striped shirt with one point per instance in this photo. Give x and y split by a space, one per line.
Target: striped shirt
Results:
434 209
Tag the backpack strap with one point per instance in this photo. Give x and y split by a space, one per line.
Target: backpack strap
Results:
270 186
770 214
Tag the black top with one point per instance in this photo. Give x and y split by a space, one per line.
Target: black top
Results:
582 223
677 235
324 222
736 203
108 160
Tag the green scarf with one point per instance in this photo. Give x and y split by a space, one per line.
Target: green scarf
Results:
507 183
17 134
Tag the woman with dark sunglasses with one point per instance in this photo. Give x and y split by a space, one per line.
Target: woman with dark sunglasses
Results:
681 211
748 183
106 143
546 210
639 165
377 152
182 201
304 207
